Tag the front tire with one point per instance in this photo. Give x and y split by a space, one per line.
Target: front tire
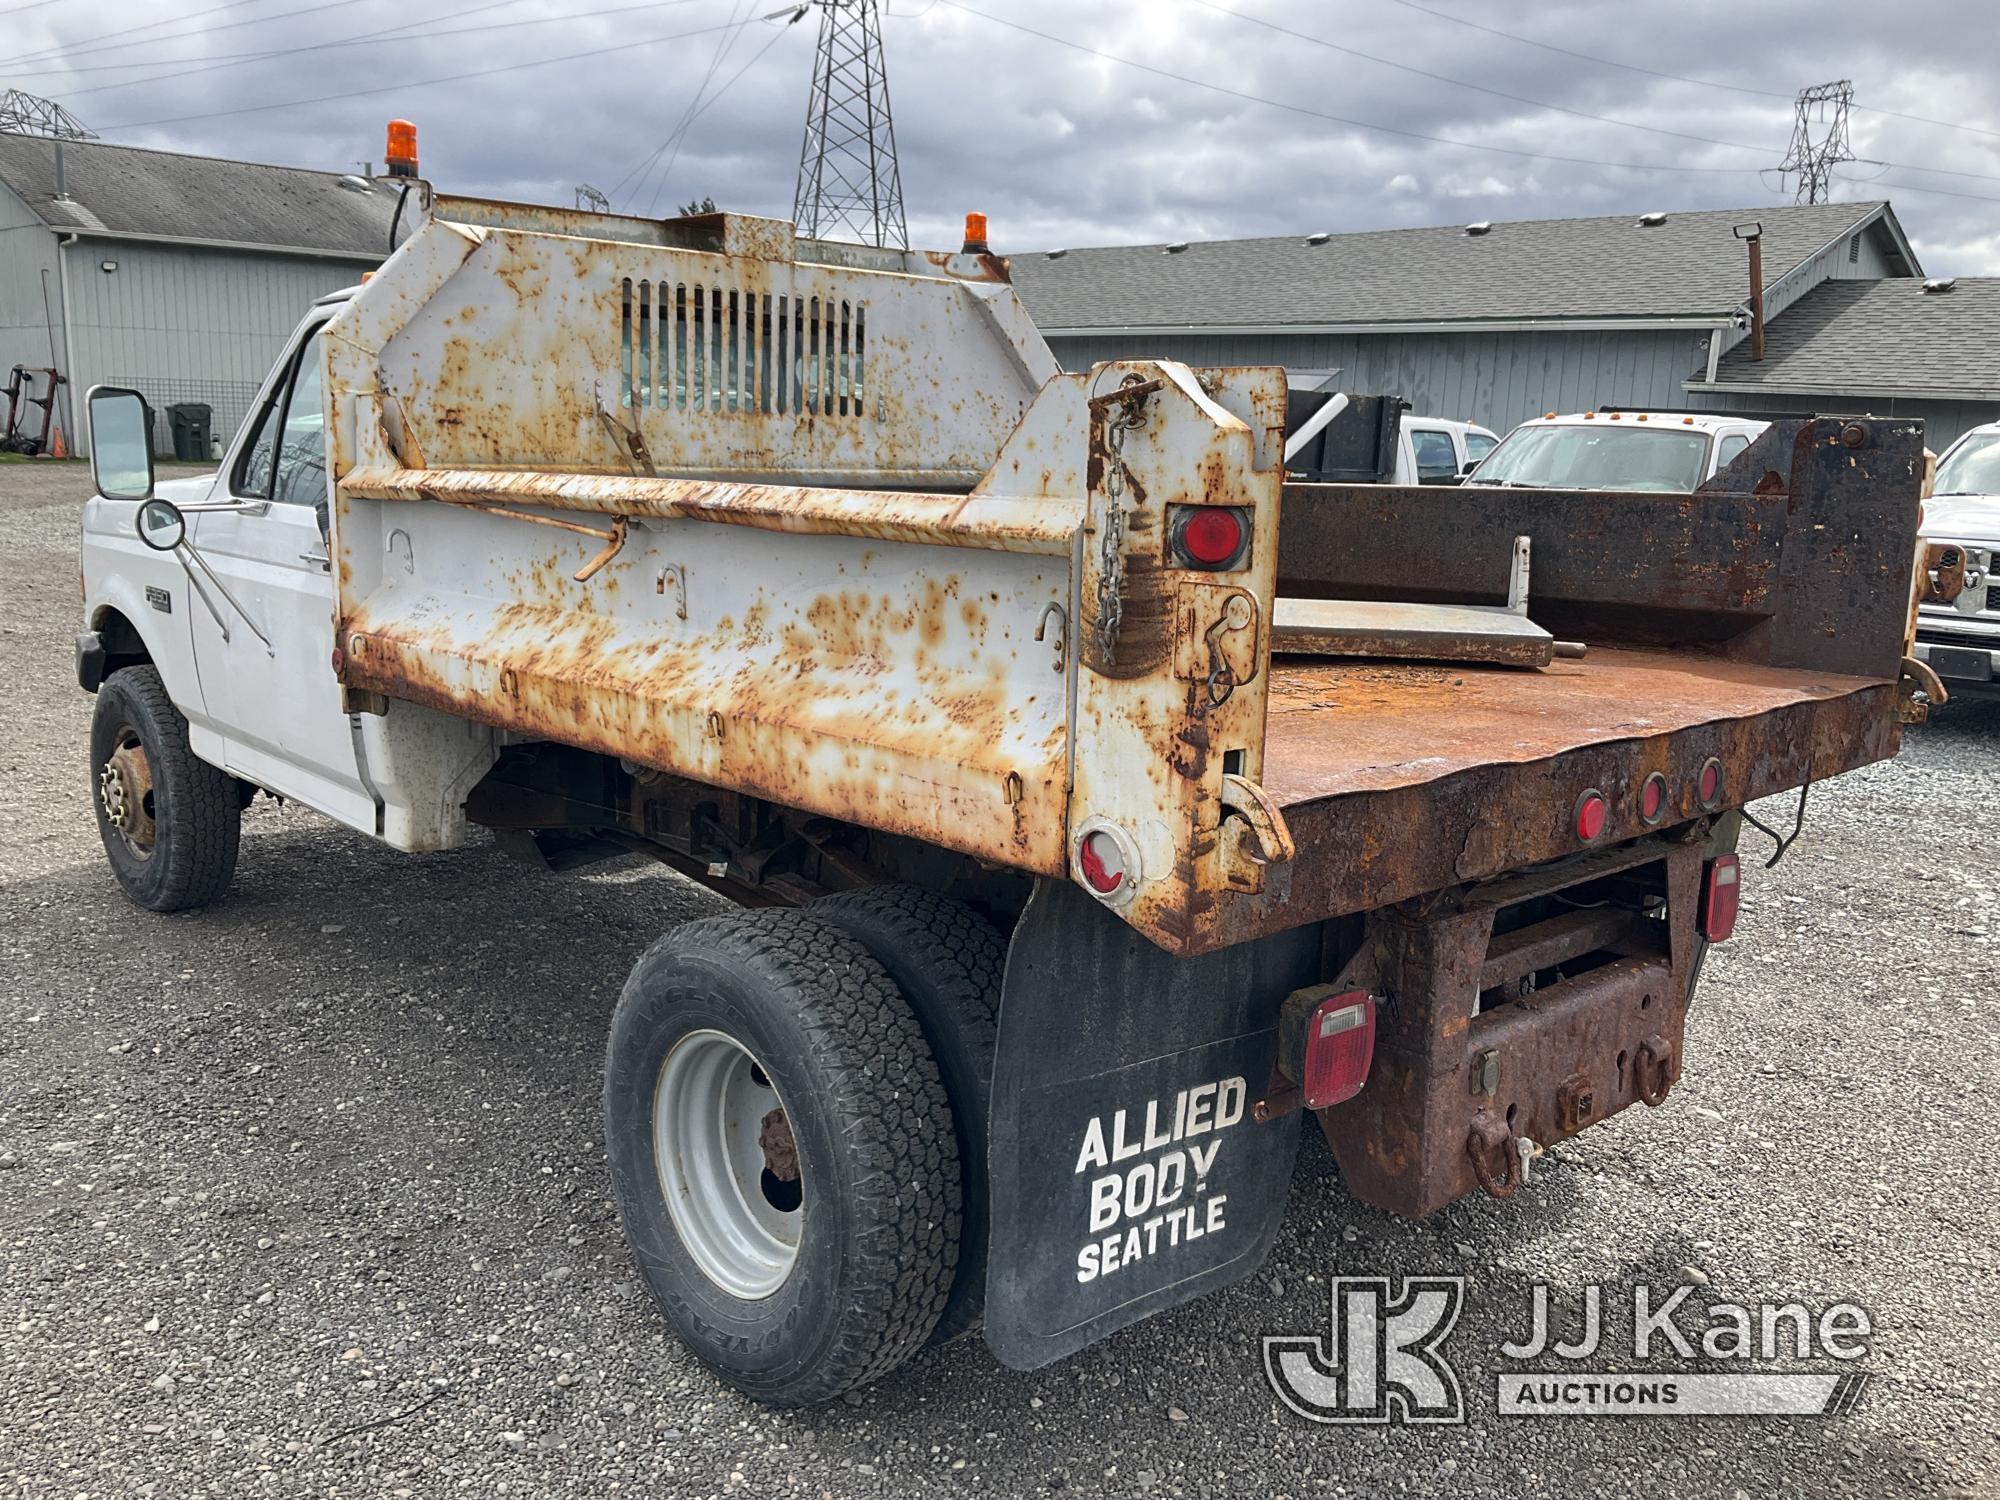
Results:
783 1154
169 820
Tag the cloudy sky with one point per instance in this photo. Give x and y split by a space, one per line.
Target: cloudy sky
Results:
1078 122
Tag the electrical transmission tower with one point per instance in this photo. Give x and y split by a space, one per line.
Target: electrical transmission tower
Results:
1813 160
24 114
590 198
849 186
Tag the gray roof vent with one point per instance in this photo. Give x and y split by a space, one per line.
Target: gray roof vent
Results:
1318 237
1652 220
1057 254
355 183
1938 285
1175 248
1484 226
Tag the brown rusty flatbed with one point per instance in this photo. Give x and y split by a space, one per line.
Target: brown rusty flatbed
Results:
1371 726
1398 779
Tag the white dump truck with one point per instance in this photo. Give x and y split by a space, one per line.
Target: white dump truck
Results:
801 568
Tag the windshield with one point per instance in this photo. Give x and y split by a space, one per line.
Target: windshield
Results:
1972 468
1598 458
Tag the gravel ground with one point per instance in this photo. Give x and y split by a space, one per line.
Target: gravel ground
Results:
328 1156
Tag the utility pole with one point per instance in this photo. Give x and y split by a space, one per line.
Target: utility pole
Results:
25 114
849 185
1813 160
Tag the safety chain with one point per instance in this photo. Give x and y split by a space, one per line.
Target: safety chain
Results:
1130 401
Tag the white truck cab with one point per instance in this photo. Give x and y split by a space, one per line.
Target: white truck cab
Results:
251 599
1960 639
1618 450
1436 450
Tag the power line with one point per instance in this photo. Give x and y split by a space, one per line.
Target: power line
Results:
232 60
413 83
645 168
1706 83
722 49
90 44
219 58
1354 124
666 172
1561 108
1581 114
1911 187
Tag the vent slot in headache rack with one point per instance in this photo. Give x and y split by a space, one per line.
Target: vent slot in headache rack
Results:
692 348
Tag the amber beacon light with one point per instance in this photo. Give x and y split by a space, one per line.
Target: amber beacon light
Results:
401 154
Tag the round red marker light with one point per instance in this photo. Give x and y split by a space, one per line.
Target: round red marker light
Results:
1212 535
1102 862
1591 812
1708 786
1653 798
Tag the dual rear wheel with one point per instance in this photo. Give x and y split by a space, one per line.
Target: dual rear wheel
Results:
795 1113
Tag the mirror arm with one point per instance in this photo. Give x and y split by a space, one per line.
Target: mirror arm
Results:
225 507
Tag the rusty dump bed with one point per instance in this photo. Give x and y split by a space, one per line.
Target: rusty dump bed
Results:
1397 778
826 526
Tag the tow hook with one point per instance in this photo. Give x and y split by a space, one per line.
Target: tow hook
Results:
1653 1070
1490 1139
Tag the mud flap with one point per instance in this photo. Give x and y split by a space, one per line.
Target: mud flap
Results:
1126 1172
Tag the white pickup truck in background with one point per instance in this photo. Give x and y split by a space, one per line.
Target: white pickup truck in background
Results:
1618 450
1960 639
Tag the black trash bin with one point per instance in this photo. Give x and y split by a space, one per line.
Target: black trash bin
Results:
189 421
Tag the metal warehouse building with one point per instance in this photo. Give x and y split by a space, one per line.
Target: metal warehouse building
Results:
179 276
1500 322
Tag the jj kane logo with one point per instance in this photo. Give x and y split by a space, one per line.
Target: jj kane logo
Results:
1383 1362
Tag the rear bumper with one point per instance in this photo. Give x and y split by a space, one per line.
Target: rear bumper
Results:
1964 667
1452 1096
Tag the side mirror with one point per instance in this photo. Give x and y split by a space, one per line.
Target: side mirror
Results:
121 444
1470 465
161 525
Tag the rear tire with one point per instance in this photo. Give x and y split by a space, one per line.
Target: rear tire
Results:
948 962
782 1152
169 820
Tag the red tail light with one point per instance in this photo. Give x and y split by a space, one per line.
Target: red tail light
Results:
1102 862
1708 785
1591 811
1340 1046
1721 889
1653 799
1209 537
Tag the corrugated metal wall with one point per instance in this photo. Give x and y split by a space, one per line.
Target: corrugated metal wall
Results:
1495 379
186 324
26 250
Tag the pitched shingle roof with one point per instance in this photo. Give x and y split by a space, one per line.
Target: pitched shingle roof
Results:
164 195
1690 265
1869 337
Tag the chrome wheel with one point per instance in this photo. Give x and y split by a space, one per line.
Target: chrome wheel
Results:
125 788
728 1164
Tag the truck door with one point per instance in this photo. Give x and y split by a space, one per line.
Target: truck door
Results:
265 659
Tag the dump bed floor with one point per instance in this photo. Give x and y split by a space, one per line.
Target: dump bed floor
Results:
1357 726
1398 779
